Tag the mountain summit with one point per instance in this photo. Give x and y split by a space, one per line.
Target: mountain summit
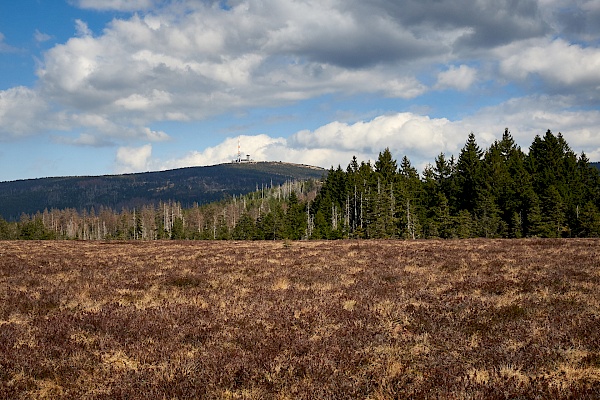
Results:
185 185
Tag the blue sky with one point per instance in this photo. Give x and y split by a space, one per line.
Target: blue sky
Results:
93 87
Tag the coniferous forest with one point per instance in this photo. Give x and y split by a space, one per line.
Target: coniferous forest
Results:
499 192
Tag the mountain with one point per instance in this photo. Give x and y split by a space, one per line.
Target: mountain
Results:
595 165
185 185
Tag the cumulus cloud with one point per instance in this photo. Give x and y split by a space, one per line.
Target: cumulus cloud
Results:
192 60
460 78
259 147
152 100
23 112
533 115
203 61
403 132
82 29
419 137
154 136
561 65
133 159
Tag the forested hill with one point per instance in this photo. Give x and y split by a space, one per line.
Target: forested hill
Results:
186 186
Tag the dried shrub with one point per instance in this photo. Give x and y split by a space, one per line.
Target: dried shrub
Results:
481 319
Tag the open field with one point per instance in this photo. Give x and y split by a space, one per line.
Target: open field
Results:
478 319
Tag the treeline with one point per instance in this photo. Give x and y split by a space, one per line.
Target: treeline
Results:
497 192
264 214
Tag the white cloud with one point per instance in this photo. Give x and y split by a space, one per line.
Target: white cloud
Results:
186 61
133 159
67 70
560 64
41 37
23 112
207 60
155 99
81 28
117 5
405 133
191 60
155 136
418 137
533 115
259 147
84 139
460 78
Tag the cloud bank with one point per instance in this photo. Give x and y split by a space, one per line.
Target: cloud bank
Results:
186 61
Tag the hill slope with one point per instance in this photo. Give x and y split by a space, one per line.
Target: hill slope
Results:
185 185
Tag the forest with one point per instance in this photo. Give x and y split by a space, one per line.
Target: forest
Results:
187 186
498 192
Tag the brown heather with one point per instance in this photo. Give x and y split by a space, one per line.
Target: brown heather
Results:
470 319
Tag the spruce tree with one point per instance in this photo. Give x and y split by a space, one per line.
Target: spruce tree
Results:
295 218
386 166
245 228
469 175
589 221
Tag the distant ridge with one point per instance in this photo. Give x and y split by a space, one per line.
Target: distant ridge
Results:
186 185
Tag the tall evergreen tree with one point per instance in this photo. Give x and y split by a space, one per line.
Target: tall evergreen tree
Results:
245 229
386 166
444 175
295 218
384 207
469 175
589 221
441 222
553 217
178 230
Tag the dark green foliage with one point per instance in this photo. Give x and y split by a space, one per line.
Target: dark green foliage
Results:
386 166
295 218
187 186
178 231
7 231
500 192
469 175
245 228
34 230
589 221
496 193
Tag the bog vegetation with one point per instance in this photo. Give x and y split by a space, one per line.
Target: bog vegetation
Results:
497 193
348 319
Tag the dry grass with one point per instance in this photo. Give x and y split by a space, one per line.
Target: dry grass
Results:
476 319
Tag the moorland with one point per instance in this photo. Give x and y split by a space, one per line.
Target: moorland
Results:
477 318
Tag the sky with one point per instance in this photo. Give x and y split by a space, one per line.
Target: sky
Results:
96 87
